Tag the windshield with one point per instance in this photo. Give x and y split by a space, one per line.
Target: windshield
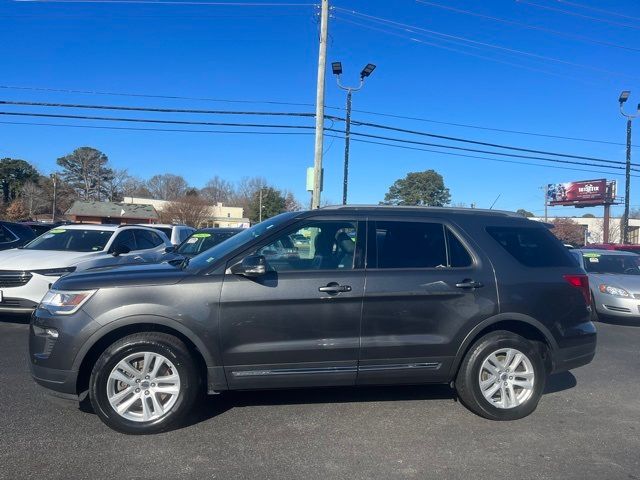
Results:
75 240
201 241
615 264
207 257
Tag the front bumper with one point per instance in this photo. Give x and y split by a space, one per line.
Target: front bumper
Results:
54 346
611 306
25 298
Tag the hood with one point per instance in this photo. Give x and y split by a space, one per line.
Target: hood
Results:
25 259
125 276
631 283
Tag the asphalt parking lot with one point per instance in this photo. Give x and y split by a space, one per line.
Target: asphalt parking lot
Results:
587 426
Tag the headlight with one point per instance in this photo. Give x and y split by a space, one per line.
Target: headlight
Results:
615 291
65 302
54 272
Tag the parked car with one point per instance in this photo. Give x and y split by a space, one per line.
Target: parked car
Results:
624 247
14 235
202 240
176 233
27 273
42 227
488 300
614 277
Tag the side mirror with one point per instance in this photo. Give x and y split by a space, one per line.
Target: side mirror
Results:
170 249
251 266
119 249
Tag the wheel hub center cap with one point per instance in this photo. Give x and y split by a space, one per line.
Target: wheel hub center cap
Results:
504 376
145 384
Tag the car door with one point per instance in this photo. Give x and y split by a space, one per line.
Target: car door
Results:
298 324
424 283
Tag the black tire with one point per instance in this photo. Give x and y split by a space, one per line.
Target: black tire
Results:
172 349
468 379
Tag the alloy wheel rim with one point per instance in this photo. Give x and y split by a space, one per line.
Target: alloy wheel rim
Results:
507 378
143 386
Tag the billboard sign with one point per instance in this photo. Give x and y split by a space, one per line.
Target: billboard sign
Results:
583 193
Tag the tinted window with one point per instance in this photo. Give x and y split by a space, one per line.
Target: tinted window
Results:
5 235
331 246
201 241
532 246
616 264
183 234
166 231
72 240
125 238
147 239
410 245
458 254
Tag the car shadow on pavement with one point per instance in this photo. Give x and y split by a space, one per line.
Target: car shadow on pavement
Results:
559 382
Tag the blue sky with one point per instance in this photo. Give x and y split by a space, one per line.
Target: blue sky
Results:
270 54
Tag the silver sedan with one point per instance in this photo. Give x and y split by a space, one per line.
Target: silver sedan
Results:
614 278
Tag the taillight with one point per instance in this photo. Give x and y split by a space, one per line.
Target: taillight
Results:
580 281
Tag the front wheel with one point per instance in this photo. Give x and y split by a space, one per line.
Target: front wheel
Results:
502 377
144 383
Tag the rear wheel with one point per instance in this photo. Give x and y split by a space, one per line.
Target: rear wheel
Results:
144 383
502 377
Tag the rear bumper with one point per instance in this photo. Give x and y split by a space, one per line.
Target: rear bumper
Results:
575 356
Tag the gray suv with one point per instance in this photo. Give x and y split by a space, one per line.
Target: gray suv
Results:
488 301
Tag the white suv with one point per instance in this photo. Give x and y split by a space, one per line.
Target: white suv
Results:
27 272
176 233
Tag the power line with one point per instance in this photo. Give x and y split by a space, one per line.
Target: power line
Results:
382 114
483 44
485 158
471 54
155 109
141 120
240 132
503 154
528 26
600 10
486 144
142 95
575 14
105 127
171 2
478 127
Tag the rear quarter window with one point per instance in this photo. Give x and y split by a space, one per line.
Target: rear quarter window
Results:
532 246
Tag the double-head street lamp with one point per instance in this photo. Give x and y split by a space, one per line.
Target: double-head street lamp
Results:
624 96
337 71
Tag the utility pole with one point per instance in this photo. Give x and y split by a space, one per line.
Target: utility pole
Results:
624 238
54 179
337 71
322 66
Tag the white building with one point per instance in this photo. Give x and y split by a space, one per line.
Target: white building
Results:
594 228
219 215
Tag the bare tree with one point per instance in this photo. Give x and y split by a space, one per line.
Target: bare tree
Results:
115 184
291 203
246 191
167 186
217 190
33 198
191 210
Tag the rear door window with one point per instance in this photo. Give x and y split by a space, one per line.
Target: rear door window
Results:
410 245
532 246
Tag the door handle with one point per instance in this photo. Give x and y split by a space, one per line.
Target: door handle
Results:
334 288
467 283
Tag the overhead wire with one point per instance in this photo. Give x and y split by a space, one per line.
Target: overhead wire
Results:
576 14
483 44
599 10
528 26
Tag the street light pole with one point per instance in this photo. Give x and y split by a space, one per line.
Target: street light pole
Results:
337 71
54 179
260 207
624 96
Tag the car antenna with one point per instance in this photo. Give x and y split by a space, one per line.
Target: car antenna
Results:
494 202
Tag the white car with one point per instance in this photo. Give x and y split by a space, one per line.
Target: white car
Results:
176 233
26 273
